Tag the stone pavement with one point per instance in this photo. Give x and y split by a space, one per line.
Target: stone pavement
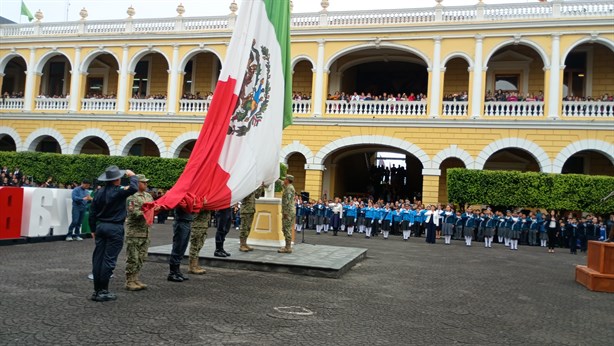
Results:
305 259
404 293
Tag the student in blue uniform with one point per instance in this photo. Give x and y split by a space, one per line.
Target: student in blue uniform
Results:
386 221
533 229
572 234
319 212
516 230
419 219
469 225
328 214
458 225
396 220
406 221
350 218
369 212
488 224
298 225
448 224
360 223
507 229
543 234
582 235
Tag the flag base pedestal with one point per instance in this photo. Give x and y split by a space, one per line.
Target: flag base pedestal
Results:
266 227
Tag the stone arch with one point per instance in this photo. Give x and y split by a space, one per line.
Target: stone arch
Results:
7 58
43 60
372 45
545 165
9 131
76 144
180 142
411 148
194 52
452 151
300 58
295 147
140 54
124 145
93 54
542 53
36 136
607 149
460 55
604 41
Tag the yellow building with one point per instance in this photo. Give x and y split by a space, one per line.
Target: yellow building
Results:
141 87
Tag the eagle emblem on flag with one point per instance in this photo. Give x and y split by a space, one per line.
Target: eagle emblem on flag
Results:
254 94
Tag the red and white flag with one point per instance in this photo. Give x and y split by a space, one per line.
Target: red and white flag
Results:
238 146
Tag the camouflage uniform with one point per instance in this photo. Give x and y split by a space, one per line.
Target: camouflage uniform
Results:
248 208
288 211
199 232
137 232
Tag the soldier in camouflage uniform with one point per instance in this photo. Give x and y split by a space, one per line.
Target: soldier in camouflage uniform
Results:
288 212
197 239
248 208
137 235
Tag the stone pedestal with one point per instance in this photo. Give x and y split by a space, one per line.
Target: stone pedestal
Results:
266 227
598 274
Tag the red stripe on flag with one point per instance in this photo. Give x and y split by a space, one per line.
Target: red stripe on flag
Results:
203 176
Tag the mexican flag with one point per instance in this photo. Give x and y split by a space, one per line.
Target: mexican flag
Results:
238 147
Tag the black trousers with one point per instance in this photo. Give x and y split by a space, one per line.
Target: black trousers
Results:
223 226
551 238
109 242
181 237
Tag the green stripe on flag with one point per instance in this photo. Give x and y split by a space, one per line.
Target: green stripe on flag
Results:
26 12
278 12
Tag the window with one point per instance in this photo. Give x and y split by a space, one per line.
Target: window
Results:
139 83
94 85
507 82
574 78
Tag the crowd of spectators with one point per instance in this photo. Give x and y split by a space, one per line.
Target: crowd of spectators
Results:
13 95
17 178
197 96
605 98
300 96
513 96
342 96
100 96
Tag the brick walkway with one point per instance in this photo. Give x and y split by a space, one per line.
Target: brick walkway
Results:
403 293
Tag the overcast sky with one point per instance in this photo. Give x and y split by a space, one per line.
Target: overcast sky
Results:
59 10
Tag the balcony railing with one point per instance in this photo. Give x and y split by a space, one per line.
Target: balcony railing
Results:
301 106
376 107
11 104
592 109
99 104
147 106
194 106
455 108
406 16
53 104
514 109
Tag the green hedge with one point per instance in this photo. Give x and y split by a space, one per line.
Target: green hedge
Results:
531 190
163 173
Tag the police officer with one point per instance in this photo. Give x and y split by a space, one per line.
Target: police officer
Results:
197 240
107 216
137 235
248 208
287 210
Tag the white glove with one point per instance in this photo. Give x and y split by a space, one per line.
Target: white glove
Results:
390 223
354 219
380 221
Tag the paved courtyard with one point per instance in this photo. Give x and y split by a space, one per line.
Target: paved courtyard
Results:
403 293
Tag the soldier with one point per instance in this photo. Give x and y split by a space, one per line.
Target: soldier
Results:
248 208
288 210
137 235
197 240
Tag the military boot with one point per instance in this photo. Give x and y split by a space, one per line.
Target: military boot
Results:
195 268
244 247
287 248
138 281
131 284
172 275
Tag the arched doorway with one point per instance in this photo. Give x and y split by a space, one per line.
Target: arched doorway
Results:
102 78
302 80
201 73
150 79
55 79
588 68
7 143
95 146
512 159
48 144
450 162
296 167
588 162
456 87
379 171
14 80
143 147
186 149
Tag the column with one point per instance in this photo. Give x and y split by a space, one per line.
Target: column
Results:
75 79
313 180
122 94
318 96
29 94
435 92
430 185
477 91
1 79
554 85
171 100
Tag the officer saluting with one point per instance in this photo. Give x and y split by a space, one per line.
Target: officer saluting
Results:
107 216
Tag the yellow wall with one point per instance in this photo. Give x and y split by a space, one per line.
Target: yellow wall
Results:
296 167
159 75
603 71
302 78
203 65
